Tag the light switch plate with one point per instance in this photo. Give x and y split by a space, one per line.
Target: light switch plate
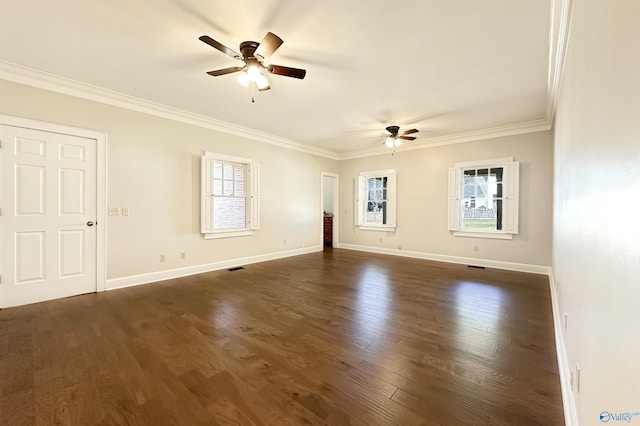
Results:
114 211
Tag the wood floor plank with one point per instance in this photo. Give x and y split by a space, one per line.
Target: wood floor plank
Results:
50 397
329 338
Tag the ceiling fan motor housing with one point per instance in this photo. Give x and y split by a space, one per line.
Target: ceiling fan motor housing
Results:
248 48
393 130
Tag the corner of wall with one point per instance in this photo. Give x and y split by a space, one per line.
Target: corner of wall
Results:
568 401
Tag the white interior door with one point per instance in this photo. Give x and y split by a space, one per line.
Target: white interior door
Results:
47 217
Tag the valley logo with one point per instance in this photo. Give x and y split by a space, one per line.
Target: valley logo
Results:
607 416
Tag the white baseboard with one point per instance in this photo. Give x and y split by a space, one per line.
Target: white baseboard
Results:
569 403
520 267
133 280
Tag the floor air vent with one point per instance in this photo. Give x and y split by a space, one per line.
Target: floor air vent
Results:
475 266
237 268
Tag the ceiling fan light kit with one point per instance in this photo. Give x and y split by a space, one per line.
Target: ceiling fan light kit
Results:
391 142
253 55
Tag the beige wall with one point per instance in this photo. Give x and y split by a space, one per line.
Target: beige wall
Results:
154 170
596 242
422 200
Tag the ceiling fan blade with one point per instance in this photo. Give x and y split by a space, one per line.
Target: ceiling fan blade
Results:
408 132
221 47
264 89
287 71
269 44
407 138
224 71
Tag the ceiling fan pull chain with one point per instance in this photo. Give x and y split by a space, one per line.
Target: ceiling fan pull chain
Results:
253 88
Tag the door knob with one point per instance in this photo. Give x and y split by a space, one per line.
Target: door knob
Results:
90 223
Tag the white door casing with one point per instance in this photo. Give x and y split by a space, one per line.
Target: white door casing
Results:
48 223
336 206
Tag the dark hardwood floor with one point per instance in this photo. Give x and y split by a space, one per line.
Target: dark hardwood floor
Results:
337 337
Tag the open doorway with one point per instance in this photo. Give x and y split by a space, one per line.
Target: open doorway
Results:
330 222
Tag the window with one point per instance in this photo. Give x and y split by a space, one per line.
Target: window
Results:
375 201
229 196
483 198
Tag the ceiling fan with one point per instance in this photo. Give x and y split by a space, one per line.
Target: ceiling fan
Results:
395 139
253 55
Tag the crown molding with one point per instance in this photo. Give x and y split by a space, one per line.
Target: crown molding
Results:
43 80
472 136
559 30
558 41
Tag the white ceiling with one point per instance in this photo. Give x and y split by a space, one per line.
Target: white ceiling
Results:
446 67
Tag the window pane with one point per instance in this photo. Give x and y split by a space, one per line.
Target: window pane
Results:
238 172
217 186
229 213
376 213
481 207
497 172
480 189
478 216
469 190
217 170
239 189
228 187
228 171
377 189
383 196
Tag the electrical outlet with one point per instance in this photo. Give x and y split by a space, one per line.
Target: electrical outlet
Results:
476 248
162 258
114 211
183 255
124 211
284 242
381 239
571 379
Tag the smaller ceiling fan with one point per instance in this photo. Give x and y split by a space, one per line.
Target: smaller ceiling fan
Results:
253 55
395 139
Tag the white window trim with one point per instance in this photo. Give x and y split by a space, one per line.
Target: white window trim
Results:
510 198
360 191
253 199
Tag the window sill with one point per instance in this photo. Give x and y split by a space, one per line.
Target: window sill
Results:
228 234
494 235
377 228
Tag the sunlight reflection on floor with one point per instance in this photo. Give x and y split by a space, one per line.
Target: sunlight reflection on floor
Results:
372 303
